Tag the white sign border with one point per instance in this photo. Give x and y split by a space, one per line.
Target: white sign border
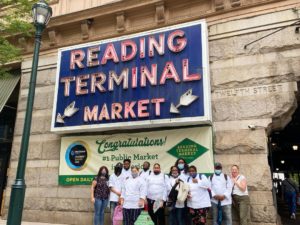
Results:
206 119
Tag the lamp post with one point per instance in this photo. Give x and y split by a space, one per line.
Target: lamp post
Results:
41 15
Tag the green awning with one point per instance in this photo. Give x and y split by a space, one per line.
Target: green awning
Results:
7 86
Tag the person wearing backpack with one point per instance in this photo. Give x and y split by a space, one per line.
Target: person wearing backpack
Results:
290 190
157 194
176 212
198 200
116 181
133 196
221 188
100 194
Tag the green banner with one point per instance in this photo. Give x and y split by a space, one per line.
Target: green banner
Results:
76 179
82 156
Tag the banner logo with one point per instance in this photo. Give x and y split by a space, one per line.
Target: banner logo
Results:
187 150
77 155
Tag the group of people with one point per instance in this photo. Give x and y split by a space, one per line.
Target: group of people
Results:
186 194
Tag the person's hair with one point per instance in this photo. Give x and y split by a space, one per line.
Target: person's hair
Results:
236 166
170 173
186 166
156 164
193 167
106 170
126 160
135 167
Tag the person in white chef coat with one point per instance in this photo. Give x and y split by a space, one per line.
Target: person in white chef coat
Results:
146 171
133 196
126 172
198 201
116 181
157 184
176 209
221 188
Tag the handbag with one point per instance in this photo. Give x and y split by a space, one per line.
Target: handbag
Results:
118 215
144 219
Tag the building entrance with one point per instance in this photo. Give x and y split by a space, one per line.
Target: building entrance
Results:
284 159
7 123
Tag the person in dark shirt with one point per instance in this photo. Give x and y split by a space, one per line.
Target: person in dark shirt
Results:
100 194
290 190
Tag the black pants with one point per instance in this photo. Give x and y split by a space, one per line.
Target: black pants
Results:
158 218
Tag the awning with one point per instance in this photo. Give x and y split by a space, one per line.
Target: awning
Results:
7 86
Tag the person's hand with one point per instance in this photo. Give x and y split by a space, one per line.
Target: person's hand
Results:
217 197
121 201
234 180
141 203
222 197
189 196
118 193
195 181
177 181
93 200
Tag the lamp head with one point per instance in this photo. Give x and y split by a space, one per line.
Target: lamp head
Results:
41 13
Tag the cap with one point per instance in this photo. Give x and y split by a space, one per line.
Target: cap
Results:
218 165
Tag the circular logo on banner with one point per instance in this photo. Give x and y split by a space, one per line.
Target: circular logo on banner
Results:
77 155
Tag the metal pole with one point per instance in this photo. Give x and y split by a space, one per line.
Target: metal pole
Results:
18 188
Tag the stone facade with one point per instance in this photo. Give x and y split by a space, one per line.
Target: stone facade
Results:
255 85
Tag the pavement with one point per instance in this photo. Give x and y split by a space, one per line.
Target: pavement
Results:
3 222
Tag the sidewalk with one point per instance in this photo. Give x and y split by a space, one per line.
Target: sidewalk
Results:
3 222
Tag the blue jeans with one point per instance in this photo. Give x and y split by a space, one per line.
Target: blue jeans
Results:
226 214
100 205
176 216
290 198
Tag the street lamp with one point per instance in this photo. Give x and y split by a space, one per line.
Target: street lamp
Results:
42 13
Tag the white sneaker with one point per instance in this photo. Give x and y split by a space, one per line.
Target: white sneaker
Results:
293 216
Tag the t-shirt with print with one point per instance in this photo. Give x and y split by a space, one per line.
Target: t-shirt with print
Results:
101 190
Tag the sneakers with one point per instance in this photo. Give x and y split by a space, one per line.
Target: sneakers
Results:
293 216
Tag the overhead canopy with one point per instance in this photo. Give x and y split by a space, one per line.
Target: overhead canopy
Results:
7 86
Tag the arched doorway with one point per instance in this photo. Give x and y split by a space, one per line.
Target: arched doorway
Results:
284 159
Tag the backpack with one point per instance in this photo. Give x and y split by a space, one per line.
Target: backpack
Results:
118 215
225 175
226 178
200 177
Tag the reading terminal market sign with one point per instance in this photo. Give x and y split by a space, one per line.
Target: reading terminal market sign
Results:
155 78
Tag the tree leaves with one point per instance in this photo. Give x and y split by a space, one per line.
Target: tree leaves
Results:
15 19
